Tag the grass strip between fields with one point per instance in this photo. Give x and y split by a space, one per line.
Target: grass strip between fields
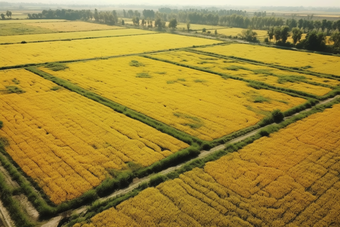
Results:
98 207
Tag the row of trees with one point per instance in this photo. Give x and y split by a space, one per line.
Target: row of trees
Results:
69 14
8 14
315 40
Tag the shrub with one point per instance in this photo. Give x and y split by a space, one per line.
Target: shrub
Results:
56 66
277 116
14 89
136 63
156 180
143 75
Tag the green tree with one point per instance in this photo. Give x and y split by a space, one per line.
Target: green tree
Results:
277 116
249 35
159 24
315 41
284 33
2 16
335 38
8 13
270 33
96 15
277 33
188 26
173 23
135 21
296 35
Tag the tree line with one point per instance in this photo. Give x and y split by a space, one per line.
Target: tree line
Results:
8 14
106 17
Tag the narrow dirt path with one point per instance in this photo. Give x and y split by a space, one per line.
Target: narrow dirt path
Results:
4 216
8 178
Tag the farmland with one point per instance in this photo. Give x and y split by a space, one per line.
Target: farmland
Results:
72 148
71 35
309 61
8 29
266 183
272 76
31 53
114 125
72 26
147 85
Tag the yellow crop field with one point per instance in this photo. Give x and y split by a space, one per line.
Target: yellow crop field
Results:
199 26
201 104
68 143
261 34
72 26
288 179
271 76
72 35
312 62
29 21
9 29
82 49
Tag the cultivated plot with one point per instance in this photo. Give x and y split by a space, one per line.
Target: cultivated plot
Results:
9 29
303 60
261 34
271 76
72 35
67 143
201 104
93 48
72 26
290 178
30 21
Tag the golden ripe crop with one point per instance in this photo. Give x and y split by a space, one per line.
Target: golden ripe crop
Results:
67 143
310 61
271 76
71 35
9 29
30 21
201 104
73 26
288 179
91 48
261 34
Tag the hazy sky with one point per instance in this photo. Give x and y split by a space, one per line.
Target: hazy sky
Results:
314 3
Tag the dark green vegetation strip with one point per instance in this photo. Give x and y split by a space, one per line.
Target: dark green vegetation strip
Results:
291 69
253 83
98 207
